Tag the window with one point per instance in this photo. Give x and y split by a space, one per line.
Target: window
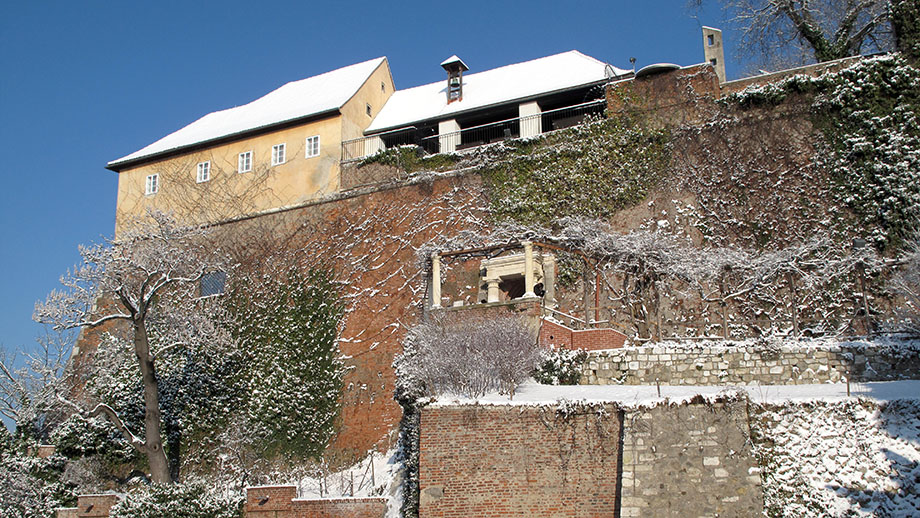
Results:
313 146
710 39
368 110
383 87
153 183
244 164
212 283
713 61
204 172
278 154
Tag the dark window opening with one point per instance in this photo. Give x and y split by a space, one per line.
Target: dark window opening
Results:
512 287
212 283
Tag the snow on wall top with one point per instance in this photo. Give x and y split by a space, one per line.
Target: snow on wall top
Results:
518 81
294 100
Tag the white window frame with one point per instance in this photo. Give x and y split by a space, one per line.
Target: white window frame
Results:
204 171
312 146
152 184
278 153
244 162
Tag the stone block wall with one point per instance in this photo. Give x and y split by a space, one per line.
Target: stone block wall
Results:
518 461
558 335
726 365
690 460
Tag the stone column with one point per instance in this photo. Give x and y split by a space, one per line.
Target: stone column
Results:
531 121
493 290
449 136
435 280
549 280
528 270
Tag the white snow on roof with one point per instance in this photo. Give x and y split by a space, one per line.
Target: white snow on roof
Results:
294 100
519 81
454 59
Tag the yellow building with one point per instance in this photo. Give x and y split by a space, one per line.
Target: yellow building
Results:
278 151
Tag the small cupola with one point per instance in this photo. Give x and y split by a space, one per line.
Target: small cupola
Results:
455 68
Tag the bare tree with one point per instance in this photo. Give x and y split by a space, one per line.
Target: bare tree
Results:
792 31
30 387
148 279
907 284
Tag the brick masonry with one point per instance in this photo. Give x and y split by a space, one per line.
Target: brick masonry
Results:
690 460
89 506
558 335
719 365
566 460
282 502
523 461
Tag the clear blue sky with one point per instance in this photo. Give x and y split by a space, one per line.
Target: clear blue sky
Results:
82 83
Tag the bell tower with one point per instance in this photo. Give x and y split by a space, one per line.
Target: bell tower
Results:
455 68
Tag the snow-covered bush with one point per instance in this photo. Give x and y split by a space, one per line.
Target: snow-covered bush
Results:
79 436
467 355
177 501
560 367
30 487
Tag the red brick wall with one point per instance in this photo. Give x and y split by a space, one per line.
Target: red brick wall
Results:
269 501
558 335
340 508
89 506
282 502
517 461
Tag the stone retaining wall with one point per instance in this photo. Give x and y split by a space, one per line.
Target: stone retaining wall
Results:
746 365
690 460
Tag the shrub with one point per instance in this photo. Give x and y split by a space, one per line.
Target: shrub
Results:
467 356
177 501
560 367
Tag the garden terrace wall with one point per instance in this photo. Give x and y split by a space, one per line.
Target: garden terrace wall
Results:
557 335
282 502
89 506
745 365
690 460
523 461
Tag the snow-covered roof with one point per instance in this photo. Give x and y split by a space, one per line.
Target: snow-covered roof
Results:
519 81
295 100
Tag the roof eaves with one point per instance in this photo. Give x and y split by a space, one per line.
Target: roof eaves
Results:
119 165
405 124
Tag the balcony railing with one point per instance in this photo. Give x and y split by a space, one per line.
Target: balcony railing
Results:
518 127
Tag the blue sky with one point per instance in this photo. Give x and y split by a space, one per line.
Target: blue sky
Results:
82 83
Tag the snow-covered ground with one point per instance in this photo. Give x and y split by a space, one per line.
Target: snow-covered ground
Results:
840 459
378 474
532 393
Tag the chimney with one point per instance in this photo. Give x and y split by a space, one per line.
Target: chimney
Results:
455 68
713 51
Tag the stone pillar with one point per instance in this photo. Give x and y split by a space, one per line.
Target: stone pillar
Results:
549 280
531 121
449 136
435 280
528 270
493 290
